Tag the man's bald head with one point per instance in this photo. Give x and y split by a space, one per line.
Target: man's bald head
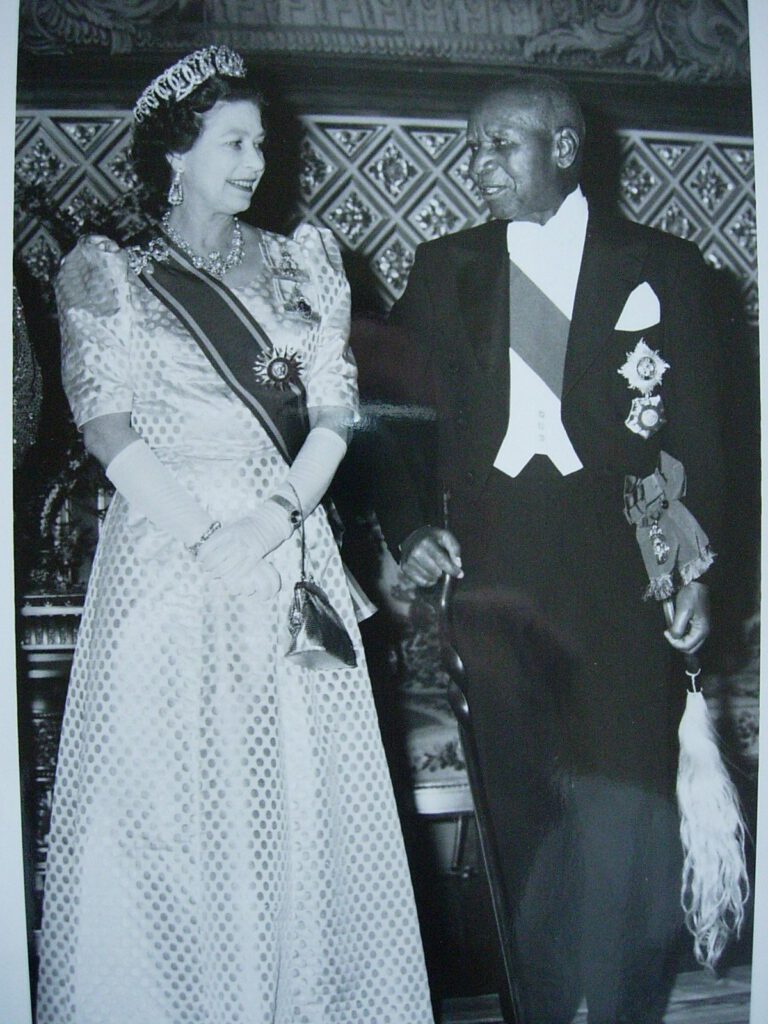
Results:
526 140
550 101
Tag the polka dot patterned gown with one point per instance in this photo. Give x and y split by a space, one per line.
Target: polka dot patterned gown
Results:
224 847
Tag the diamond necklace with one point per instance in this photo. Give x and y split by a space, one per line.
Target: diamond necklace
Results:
214 262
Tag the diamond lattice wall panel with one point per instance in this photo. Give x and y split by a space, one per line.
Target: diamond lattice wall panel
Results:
89 134
396 186
699 187
44 156
384 184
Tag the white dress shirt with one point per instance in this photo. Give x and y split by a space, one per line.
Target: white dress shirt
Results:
550 256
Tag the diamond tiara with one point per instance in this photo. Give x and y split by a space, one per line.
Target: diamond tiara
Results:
181 78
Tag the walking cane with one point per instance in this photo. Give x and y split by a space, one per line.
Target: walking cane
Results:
457 698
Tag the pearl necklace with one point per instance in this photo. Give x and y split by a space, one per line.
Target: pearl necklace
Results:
214 262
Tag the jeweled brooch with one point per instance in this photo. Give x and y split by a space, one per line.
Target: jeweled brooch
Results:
141 257
278 369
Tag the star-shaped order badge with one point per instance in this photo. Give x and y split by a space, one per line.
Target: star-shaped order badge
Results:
643 372
278 370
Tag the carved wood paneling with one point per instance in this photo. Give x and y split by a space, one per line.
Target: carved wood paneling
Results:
47 636
698 40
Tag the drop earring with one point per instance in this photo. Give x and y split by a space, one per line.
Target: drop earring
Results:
176 192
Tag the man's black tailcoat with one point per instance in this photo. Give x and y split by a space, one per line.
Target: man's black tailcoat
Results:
569 673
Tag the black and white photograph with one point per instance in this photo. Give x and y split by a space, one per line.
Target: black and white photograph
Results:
382 550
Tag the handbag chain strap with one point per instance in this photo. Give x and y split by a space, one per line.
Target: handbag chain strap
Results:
301 528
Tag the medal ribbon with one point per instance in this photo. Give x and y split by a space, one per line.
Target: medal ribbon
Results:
674 547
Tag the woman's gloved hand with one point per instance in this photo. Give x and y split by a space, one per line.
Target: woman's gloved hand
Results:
251 579
245 541
234 551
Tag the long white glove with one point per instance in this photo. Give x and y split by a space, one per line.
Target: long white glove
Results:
151 488
274 521
313 469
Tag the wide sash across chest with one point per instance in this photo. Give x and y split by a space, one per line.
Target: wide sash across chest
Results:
236 346
538 341
538 330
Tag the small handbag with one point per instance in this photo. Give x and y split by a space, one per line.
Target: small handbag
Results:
319 638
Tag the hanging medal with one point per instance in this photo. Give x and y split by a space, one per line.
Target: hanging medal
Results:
659 544
646 416
297 303
288 279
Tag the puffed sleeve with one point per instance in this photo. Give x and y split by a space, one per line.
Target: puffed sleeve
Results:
92 300
331 378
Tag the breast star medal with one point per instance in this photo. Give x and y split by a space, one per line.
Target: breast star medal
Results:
277 369
643 371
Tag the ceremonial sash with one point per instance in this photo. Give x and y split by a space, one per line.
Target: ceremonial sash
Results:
234 343
538 329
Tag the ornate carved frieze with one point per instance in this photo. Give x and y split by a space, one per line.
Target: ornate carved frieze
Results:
686 40
64 26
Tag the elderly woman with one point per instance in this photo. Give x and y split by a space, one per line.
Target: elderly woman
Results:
225 845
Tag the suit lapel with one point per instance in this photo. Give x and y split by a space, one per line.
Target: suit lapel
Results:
481 314
610 269
483 296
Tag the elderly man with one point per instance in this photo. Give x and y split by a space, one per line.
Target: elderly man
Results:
564 353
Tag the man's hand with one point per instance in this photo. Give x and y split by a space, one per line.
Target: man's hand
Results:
690 625
429 552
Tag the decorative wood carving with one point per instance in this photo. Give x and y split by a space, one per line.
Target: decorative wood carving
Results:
63 26
691 41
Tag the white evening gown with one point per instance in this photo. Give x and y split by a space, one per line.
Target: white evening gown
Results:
225 847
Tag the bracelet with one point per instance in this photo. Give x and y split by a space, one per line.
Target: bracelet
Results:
293 513
194 548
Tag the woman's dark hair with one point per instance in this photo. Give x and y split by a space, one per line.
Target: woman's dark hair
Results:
173 128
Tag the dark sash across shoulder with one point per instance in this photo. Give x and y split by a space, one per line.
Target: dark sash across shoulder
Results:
235 344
